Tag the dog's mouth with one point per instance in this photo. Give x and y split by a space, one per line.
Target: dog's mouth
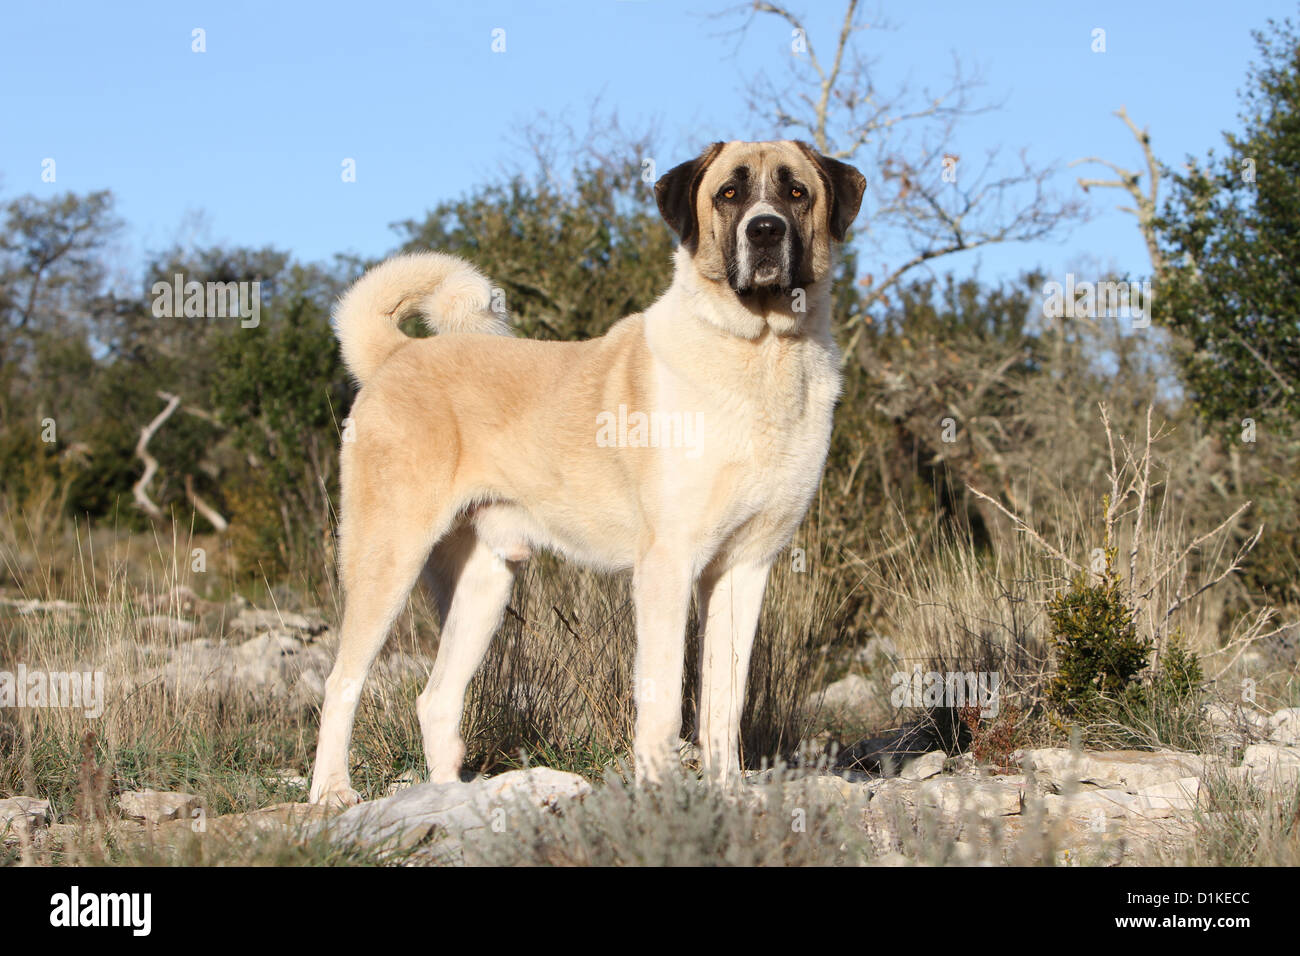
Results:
766 274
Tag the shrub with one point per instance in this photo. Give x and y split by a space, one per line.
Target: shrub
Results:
1099 653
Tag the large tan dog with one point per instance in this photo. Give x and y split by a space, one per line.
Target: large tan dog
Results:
686 444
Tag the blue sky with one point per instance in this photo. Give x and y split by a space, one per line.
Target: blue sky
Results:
251 134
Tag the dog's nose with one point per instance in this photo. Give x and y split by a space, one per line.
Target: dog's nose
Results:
765 230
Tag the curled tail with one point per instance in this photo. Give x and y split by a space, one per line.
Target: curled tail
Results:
450 294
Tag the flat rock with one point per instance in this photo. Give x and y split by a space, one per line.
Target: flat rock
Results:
1160 801
1271 766
251 621
274 665
408 817
1056 769
1284 727
158 806
957 796
23 815
925 766
286 818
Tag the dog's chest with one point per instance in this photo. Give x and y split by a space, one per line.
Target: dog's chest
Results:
763 430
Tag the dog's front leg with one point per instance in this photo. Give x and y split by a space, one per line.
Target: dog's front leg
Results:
729 609
661 583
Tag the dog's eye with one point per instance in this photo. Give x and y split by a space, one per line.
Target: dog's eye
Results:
729 193
796 192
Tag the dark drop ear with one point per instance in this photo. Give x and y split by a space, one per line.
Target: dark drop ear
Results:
845 185
676 191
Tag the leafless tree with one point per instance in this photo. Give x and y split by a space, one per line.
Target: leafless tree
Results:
924 193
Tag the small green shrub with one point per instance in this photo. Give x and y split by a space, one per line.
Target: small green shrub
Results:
1099 653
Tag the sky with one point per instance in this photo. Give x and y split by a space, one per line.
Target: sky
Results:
244 143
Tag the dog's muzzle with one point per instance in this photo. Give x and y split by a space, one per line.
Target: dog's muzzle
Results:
764 259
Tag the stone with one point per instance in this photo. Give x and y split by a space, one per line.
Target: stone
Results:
22 815
1284 727
1168 799
876 651
274 665
251 621
1157 802
158 806
1272 767
957 796
925 766
279 818
287 777
1056 769
1234 725
407 818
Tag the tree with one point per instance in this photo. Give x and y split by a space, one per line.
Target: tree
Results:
1230 240
927 198
572 255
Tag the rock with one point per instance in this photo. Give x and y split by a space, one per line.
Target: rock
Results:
1235 726
824 788
851 694
22 815
956 796
251 621
1056 769
1284 727
287 777
1272 767
876 651
158 806
925 766
158 626
180 600
28 606
274 665
1166 799
409 817
1157 802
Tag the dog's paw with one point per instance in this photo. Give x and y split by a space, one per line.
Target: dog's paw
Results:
336 795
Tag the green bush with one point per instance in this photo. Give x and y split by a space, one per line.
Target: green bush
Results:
1099 653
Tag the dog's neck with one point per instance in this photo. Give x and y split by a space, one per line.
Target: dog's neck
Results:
799 313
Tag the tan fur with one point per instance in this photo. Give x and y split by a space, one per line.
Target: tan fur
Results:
472 450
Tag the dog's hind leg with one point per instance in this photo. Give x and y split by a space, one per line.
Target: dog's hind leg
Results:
381 559
471 584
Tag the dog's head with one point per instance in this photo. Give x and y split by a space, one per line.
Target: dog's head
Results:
761 216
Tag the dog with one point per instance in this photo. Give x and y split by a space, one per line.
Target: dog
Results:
686 444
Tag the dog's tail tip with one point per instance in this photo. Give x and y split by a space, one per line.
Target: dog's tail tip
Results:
450 293
464 302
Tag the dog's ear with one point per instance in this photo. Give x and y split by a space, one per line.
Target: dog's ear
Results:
676 192
845 186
